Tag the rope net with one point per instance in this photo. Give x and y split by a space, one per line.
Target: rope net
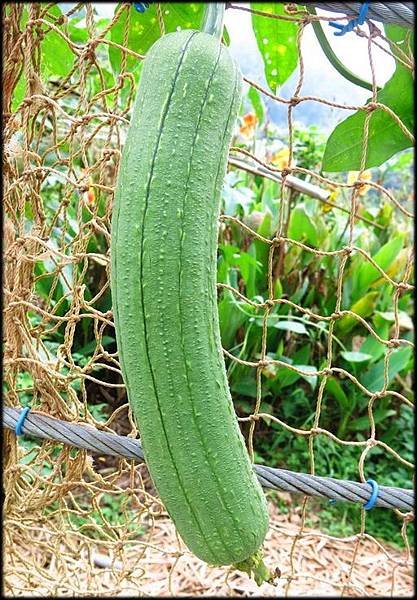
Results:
81 524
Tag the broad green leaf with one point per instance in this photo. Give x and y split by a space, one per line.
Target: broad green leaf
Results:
301 227
367 273
19 92
245 385
257 103
284 376
356 357
57 57
278 289
277 43
294 326
249 267
379 415
245 262
20 88
344 147
399 35
311 379
373 378
302 355
89 348
79 35
404 319
231 316
333 388
396 268
363 307
372 346
144 29
262 251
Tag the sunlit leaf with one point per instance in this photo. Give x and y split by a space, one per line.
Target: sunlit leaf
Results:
367 273
277 42
363 307
344 147
356 357
301 227
144 29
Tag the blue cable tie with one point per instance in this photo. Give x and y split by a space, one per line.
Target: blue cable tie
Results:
374 495
141 6
21 420
360 20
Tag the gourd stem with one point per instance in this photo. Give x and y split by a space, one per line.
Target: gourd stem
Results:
334 60
213 19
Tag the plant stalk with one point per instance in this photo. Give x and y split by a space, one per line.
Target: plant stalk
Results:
213 19
333 59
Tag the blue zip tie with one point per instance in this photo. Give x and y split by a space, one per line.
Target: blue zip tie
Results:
141 6
20 421
360 20
372 499
374 495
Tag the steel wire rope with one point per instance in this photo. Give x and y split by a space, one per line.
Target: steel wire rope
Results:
89 438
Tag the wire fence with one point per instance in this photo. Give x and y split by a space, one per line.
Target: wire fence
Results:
81 525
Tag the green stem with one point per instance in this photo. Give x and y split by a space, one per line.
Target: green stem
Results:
213 19
255 567
333 59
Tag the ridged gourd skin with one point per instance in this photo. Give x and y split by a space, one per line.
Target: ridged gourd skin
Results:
163 281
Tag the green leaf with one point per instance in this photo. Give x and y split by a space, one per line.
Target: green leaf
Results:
311 379
344 147
262 251
226 37
57 57
367 273
89 348
144 29
372 346
373 379
257 103
277 43
333 388
230 317
294 326
363 307
19 92
245 385
79 35
379 415
301 227
246 263
356 357
404 319
399 35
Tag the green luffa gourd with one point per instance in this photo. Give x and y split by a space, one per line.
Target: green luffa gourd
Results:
163 280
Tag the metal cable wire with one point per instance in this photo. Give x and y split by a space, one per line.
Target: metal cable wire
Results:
87 437
400 13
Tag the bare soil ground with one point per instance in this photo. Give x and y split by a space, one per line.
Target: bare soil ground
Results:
159 565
